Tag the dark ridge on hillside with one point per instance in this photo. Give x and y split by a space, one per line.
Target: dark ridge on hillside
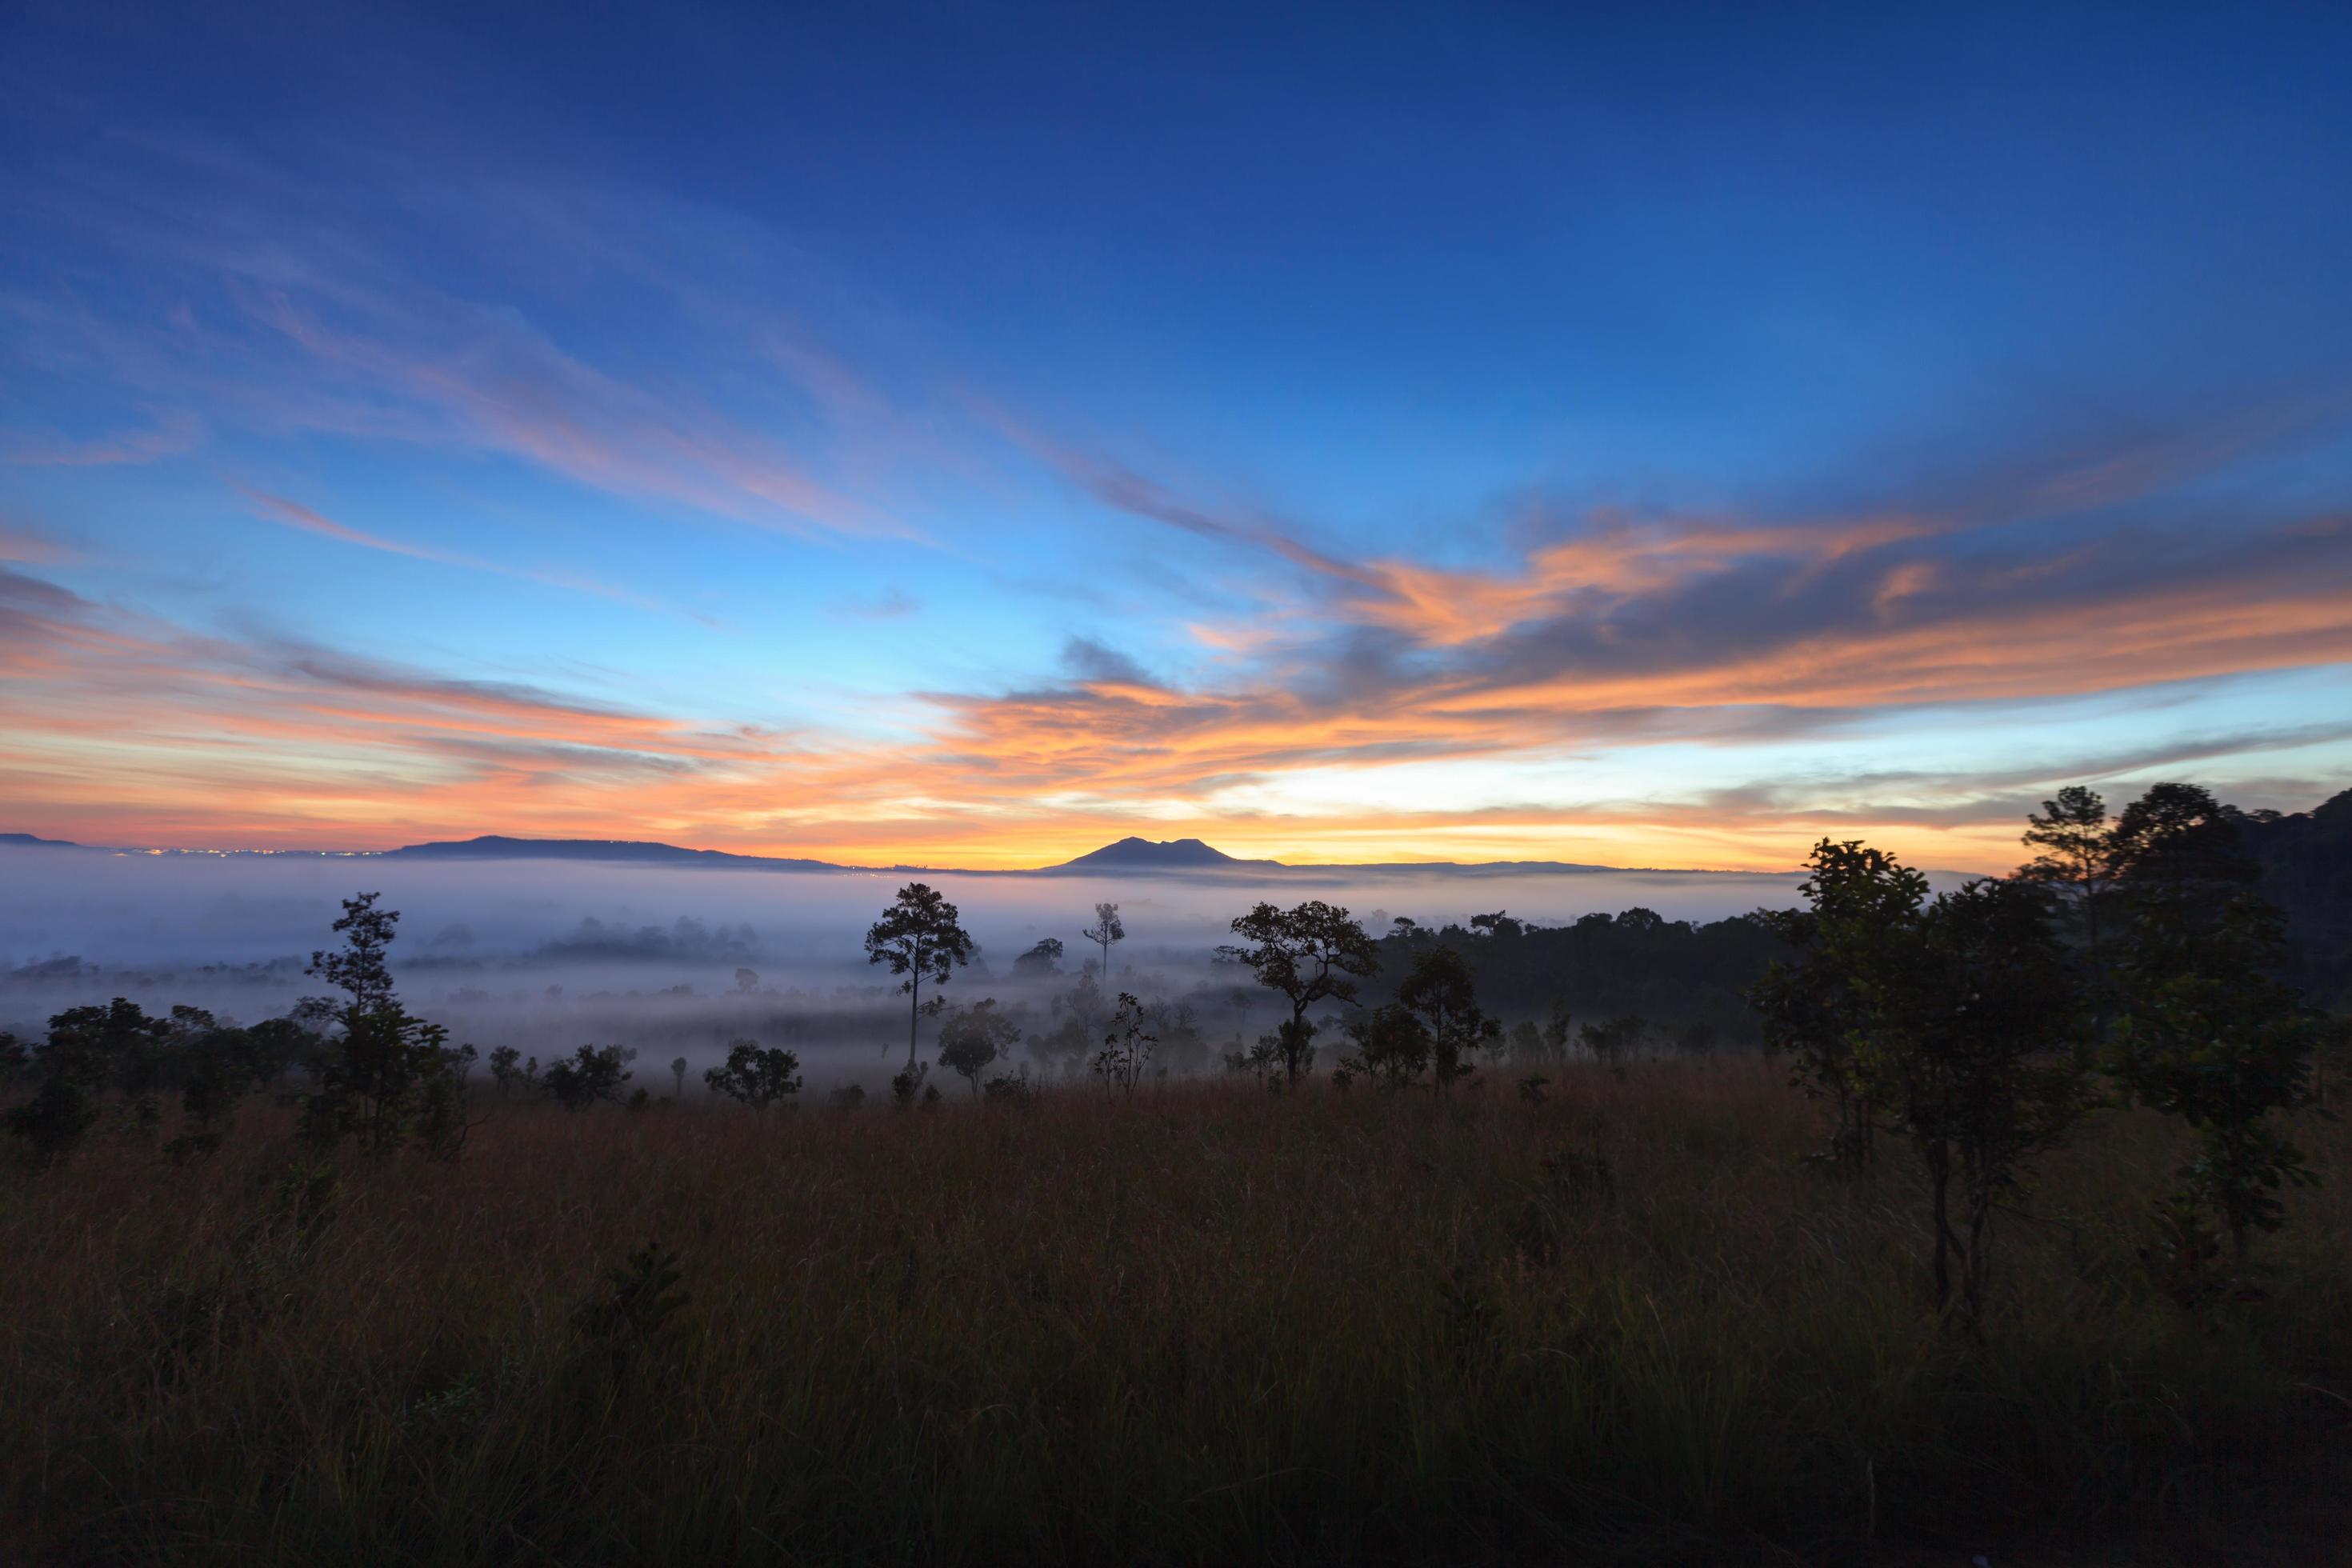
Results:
1132 854
28 841
498 847
2307 861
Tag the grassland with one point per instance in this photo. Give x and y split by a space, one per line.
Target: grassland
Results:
1206 1324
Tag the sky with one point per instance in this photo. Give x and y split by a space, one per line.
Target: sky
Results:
1654 436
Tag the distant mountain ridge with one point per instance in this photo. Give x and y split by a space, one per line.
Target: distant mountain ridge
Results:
500 847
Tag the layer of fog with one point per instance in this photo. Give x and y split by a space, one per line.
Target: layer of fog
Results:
678 961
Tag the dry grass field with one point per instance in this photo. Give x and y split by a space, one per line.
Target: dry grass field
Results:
1209 1323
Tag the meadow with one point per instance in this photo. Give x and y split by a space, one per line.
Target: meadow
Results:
1628 1321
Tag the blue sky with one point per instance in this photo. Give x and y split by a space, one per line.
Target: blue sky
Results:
1657 435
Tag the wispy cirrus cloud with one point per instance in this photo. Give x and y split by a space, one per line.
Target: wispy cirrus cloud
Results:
303 519
173 433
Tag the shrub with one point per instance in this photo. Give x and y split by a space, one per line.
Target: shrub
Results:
589 1074
754 1076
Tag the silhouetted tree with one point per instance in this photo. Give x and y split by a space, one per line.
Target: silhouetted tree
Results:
1979 1058
678 1065
1392 1047
383 1066
974 1040
1311 953
755 1076
1126 1048
919 938
1817 1005
1045 958
1441 993
2078 861
2208 1031
1106 930
1612 1040
588 1075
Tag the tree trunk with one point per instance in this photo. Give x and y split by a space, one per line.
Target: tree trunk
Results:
1940 1176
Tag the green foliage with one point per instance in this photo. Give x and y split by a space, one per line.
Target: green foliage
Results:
755 1076
591 1074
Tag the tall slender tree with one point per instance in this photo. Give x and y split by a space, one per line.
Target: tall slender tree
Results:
1106 930
922 938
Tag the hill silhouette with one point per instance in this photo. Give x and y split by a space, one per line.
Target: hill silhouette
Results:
1133 854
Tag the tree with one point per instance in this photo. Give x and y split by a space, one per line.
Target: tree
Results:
506 1070
1392 1047
1106 930
678 1065
56 1119
1311 953
1441 993
1980 1060
1610 1041
747 981
1815 1006
755 1076
976 1038
588 1075
1126 1048
360 970
2209 1034
384 1066
2077 860
95 1047
920 937
1044 959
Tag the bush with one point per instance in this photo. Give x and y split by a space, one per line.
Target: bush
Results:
589 1074
755 1076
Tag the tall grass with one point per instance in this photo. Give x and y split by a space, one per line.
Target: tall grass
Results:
1207 1324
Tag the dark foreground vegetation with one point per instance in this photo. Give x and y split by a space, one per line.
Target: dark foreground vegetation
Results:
1205 1322
2029 1238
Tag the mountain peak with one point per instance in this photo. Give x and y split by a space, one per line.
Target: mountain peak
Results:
1134 854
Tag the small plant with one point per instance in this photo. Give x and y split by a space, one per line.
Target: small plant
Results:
1013 1088
1532 1089
633 1306
907 1085
1127 1049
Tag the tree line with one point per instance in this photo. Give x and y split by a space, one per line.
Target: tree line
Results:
2131 960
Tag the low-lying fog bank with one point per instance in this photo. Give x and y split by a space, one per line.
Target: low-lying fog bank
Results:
546 956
